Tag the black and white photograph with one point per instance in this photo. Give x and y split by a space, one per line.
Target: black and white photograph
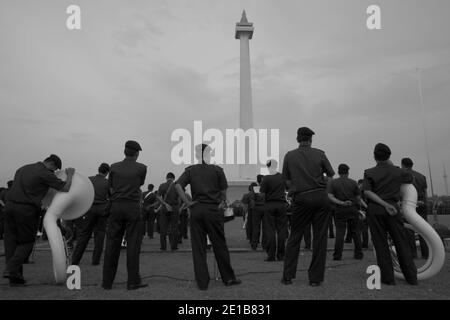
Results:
223 156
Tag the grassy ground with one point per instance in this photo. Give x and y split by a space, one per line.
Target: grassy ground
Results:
170 276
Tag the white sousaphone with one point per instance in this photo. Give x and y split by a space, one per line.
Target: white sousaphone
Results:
416 223
67 206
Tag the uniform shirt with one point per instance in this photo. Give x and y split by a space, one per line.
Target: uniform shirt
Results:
172 197
344 189
101 189
420 182
31 184
207 182
125 179
274 187
385 180
305 168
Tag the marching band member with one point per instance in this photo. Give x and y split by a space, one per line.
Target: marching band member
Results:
420 183
125 179
94 219
31 184
346 196
208 186
169 213
273 189
304 169
382 188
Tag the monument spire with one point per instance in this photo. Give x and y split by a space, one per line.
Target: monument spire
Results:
244 32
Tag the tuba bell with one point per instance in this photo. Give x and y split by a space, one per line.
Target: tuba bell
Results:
416 223
67 206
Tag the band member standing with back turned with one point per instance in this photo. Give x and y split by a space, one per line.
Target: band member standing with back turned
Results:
169 213
148 205
420 183
273 189
23 205
303 170
95 218
382 188
345 194
125 179
208 186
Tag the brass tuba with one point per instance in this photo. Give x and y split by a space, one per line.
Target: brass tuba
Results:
67 206
416 223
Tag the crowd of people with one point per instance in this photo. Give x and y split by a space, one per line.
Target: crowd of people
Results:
280 210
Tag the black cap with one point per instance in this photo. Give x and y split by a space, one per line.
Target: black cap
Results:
305 131
56 160
133 145
407 162
382 151
343 168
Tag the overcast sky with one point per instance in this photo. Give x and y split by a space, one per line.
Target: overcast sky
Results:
140 69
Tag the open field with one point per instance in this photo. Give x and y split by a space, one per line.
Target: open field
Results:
170 276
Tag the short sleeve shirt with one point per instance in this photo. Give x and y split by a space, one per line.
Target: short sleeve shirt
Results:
385 180
305 168
207 182
344 189
101 189
125 180
274 188
32 182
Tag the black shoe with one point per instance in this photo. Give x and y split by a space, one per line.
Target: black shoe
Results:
137 286
358 257
307 248
365 247
337 258
331 236
314 284
173 249
208 247
95 263
269 259
106 287
233 282
254 247
6 274
388 283
286 281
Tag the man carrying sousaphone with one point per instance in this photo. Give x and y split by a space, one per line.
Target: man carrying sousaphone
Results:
208 186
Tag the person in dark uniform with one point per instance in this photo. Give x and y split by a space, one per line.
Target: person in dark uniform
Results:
346 196
184 221
248 200
420 183
3 195
148 205
208 186
273 190
304 170
382 188
169 213
258 224
94 219
125 179
31 184
363 225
